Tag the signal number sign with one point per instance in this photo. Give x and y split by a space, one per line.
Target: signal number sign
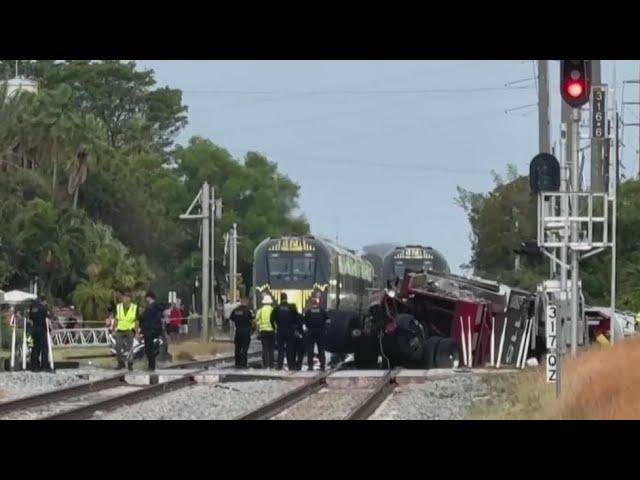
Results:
599 113
552 367
552 343
551 327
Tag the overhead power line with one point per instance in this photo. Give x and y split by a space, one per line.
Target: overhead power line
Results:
360 92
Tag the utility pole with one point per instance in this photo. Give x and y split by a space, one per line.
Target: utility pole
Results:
544 134
204 199
234 264
597 170
206 228
575 234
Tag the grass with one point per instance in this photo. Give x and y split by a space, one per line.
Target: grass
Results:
602 383
192 349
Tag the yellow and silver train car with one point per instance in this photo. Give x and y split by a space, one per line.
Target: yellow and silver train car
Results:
305 265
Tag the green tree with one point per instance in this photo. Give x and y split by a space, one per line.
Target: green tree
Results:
255 195
51 244
121 96
500 221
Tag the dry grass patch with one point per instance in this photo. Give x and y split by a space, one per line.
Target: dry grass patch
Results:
603 383
192 349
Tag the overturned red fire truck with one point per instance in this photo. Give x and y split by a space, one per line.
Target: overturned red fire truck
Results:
439 320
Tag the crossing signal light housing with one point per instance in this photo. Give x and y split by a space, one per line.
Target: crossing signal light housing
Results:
544 173
575 82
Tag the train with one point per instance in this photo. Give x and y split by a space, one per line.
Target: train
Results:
304 266
414 258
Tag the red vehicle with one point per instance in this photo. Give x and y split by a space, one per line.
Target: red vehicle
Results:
437 320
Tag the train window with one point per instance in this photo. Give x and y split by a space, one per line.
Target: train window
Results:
304 267
279 267
399 269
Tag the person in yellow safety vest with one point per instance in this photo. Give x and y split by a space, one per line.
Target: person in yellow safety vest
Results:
127 318
266 331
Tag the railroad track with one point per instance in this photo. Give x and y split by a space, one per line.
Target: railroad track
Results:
139 394
82 401
118 393
214 362
362 411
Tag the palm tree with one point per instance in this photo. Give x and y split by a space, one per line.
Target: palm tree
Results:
93 299
51 243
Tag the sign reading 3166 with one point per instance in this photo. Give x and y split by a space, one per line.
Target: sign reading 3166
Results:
598 112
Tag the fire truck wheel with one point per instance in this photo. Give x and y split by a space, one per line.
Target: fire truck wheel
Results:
339 333
447 353
430 349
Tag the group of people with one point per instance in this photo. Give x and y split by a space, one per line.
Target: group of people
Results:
293 333
129 322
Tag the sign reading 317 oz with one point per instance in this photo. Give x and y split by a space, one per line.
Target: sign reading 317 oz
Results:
598 113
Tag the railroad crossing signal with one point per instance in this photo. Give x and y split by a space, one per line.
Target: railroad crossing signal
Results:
544 173
575 82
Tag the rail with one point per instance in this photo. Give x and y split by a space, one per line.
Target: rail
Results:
86 411
380 393
61 394
274 407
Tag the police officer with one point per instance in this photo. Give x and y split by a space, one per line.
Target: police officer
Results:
126 326
266 331
40 351
242 317
315 324
300 342
286 320
151 328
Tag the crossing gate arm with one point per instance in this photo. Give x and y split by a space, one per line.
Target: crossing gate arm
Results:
80 337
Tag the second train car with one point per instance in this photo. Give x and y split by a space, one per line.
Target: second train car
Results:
415 258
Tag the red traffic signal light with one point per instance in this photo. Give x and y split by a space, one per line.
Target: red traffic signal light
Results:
575 85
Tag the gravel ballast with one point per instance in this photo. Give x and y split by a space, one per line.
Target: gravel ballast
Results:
443 399
327 404
224 401
23 384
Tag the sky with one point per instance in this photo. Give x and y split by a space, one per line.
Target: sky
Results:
379 147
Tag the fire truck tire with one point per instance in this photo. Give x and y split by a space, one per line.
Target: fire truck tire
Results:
447 353
366 356
430 349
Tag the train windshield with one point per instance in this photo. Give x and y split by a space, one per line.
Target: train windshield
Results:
291 268
400 267
304 267
279 267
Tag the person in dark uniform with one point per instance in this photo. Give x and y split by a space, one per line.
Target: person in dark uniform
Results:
315 324
40 352
285 320
242 317
151 328
300 343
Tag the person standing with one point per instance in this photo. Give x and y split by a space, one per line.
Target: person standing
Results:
300 342
151 328
242 317
315 323
126 326
286 320
40 351
266 331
